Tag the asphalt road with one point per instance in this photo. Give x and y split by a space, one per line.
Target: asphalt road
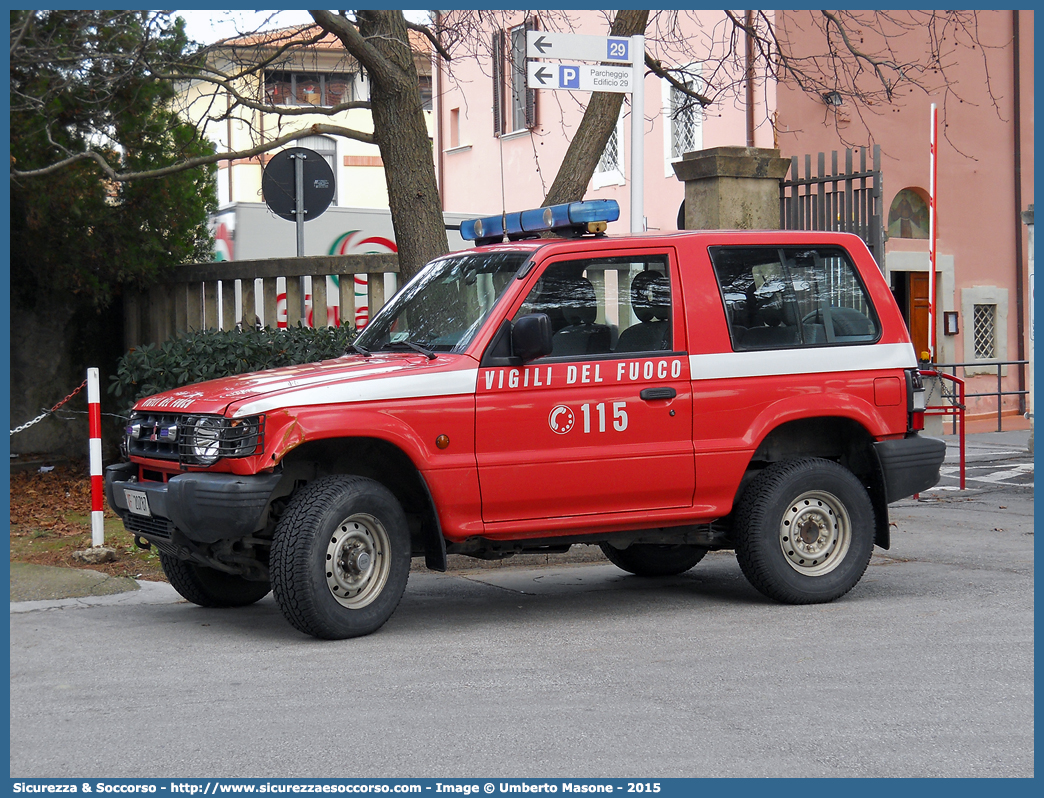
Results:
924 669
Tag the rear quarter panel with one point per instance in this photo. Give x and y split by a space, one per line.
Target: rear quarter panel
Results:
741 397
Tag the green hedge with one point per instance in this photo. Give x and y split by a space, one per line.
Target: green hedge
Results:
209 354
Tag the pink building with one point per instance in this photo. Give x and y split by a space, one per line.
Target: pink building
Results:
486 164
498 145
985 182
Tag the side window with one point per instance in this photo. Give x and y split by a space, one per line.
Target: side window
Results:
785 297
514 103
605 306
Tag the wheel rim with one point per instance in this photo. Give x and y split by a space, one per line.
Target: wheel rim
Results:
815 533
358 560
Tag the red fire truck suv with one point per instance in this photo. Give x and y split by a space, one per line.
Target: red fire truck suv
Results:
660 396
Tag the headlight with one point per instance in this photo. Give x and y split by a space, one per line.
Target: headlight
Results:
204 439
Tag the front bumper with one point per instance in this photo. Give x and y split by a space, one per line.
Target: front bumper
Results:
204 508
909 465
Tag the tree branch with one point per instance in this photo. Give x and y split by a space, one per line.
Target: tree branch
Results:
228 86
192 163
861 56
657 68
26 23
341 27
424 29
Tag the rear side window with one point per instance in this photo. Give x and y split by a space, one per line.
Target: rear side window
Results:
784 297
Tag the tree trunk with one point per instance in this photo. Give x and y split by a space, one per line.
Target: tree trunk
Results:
596 127
400 132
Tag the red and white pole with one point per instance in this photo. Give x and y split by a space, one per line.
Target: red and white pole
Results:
932 234
97 487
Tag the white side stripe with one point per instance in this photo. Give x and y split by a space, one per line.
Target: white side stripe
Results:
768 363
407 386
779 362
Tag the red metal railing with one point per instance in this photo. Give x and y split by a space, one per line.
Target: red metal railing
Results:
955 408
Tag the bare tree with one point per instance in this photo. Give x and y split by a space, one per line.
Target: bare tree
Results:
232 76
379 40
865 61
855 61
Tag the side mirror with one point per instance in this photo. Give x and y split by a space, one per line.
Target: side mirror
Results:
531 337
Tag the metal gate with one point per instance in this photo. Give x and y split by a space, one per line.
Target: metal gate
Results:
849 200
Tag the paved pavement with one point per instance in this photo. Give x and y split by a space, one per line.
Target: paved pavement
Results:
574 669
924 670
992 459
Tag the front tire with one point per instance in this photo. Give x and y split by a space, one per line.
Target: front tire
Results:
651 559
340 557
804 531
209 587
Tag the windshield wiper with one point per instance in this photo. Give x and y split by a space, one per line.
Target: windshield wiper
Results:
357 349
415 347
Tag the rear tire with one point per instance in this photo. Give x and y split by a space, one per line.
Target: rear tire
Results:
340 558
652 559
804 531
209 587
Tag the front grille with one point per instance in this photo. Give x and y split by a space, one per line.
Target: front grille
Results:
194 439
153 437
151 527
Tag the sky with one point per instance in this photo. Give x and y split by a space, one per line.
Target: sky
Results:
207 27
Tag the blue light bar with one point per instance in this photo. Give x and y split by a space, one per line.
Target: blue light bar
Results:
513 224
479 229
594 211
572 217
541 219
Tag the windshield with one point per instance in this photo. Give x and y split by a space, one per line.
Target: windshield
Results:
443 307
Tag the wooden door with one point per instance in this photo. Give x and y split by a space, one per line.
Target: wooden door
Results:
918 312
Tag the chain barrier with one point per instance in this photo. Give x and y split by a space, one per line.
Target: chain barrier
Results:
46 413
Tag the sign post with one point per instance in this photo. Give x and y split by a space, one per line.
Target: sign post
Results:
298 185
638 136
932 194
604 76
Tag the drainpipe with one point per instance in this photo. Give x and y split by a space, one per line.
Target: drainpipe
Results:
1020 321
228 106
749 22
436 107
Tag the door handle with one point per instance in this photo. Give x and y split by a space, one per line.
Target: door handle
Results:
648 394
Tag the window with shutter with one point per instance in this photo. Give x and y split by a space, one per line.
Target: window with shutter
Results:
514 103
498 83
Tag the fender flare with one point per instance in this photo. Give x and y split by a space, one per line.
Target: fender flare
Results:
855 411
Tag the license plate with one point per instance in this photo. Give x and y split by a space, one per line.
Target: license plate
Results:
137 502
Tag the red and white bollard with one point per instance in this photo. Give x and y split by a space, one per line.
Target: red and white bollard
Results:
97 486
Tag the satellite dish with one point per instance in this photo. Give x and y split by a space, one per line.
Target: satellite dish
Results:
279 181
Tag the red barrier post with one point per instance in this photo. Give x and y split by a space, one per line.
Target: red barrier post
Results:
97 486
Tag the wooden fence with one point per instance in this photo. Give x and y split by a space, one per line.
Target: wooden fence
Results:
848 201
224 294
